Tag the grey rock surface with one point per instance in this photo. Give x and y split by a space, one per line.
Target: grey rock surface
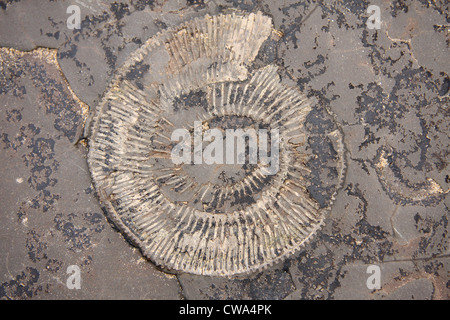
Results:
387 89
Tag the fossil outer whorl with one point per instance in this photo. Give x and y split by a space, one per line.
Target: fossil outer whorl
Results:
205 219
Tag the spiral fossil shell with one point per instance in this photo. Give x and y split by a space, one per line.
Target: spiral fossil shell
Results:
211 220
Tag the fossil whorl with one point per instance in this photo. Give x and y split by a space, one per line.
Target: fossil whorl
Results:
205 219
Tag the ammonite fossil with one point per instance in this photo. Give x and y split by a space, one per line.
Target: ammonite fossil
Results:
210 218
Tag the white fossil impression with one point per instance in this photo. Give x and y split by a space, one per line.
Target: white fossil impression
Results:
217 219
